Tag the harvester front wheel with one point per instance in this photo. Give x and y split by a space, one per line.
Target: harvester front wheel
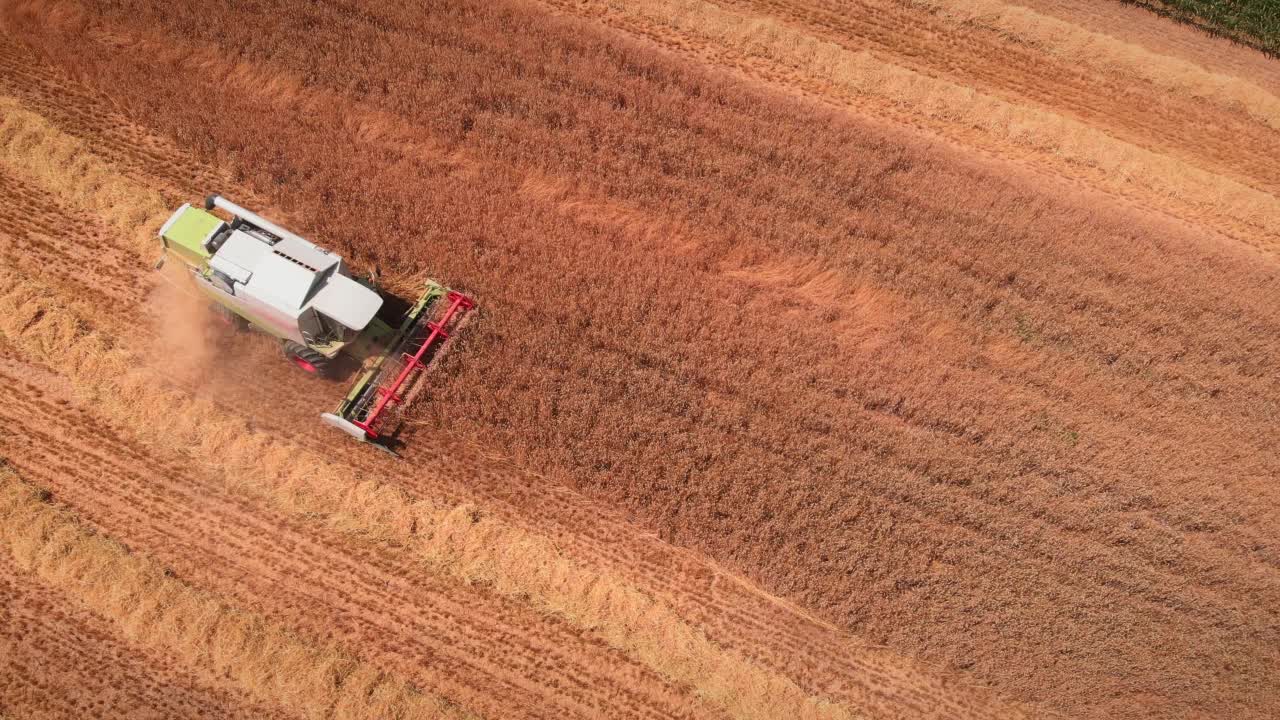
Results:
306 359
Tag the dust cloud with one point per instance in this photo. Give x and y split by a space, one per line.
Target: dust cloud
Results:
186 329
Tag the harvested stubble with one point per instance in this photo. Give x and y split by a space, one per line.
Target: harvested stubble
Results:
66 168
220 642
962 413
453 539
974 115
1107 55
456 540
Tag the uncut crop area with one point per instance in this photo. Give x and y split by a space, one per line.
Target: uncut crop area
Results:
833 360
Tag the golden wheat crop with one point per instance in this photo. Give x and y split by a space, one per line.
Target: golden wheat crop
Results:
517 562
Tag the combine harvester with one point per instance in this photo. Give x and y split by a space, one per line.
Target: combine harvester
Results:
263 276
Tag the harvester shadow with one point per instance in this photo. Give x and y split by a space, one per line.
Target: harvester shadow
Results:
345 368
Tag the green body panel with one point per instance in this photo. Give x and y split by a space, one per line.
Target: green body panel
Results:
377 335
185 236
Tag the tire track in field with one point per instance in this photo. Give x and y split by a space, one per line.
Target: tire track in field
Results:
472 550
47 240
149 607
800 644
1233 120
271 378
726 671
1133 24
62 661
493 655
1107 54
88 117
764 49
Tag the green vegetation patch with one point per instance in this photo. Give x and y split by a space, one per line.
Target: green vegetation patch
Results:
1255 23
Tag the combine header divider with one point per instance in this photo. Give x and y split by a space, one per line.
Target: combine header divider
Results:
390 395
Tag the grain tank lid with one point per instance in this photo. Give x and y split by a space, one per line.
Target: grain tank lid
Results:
239 256
346 301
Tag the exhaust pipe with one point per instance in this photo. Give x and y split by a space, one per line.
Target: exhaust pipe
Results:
253 218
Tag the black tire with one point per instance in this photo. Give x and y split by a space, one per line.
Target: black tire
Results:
227 317
306 359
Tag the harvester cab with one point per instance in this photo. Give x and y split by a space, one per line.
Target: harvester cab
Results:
263 276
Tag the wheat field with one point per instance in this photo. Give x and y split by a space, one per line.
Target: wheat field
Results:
889 359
